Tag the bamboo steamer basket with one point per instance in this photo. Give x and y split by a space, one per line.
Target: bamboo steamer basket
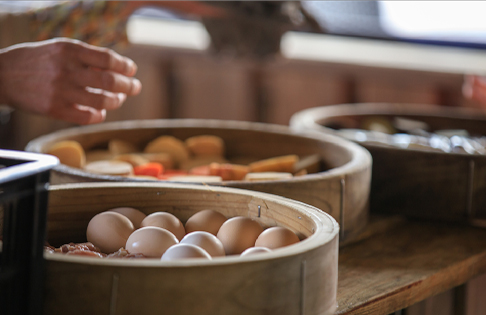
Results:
341 189
415 182
297 279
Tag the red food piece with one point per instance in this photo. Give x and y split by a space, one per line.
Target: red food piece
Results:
202 170
150 169
76 249
89 253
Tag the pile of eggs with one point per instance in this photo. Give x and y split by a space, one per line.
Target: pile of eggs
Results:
207 234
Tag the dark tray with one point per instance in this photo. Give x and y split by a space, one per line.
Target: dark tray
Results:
24 179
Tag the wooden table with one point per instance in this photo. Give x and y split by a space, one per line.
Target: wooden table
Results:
401 262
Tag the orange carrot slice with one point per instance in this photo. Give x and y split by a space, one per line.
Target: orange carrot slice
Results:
151 169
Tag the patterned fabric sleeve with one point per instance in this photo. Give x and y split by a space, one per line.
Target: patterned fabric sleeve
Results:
100 23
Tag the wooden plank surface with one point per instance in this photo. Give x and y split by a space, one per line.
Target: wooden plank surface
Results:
407 263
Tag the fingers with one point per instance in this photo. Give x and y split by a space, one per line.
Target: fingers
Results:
106 59
95 98
107 80
80 114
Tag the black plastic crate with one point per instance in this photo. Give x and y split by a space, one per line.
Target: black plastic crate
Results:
24 180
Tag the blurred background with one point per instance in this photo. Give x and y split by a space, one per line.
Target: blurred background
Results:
264 61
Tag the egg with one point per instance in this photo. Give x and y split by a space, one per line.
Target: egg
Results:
206 241
109 231
238 234
167 221
255 250
135 215
184 251
205 220
276 237
151 241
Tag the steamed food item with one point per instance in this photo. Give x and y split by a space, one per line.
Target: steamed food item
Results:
196 179
205 220
134 215
99 155
153 169
170 145
229 171
163 158
276 237
109 231
126 232
69 152
185 251
238 234
202 160
206 241
112 167
196 159
167 221
118 146
151 241
255 250
132 158
205 145
284 164
309 164
263 176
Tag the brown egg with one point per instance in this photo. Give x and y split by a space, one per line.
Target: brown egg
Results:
184 251
255 250
276 237
167 221
206 241
205 220
151 241
109 231
238 234
136 216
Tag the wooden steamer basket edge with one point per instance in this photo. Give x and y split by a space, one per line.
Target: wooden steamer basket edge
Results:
298 279
413 182
341 191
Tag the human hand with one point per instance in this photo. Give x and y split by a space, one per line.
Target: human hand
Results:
66 79
474 88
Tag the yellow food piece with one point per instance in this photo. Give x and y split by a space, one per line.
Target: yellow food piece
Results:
117 146
115 168
132 158
98 155
163 158
69 153
201 160
263 176
196 179
143 177
205 145
276 164
170 145
229 171
309 164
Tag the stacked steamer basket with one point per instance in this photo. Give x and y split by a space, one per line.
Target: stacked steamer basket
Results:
339 187
297 279
428 161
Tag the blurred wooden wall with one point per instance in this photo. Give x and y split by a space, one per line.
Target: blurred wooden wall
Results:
192 84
